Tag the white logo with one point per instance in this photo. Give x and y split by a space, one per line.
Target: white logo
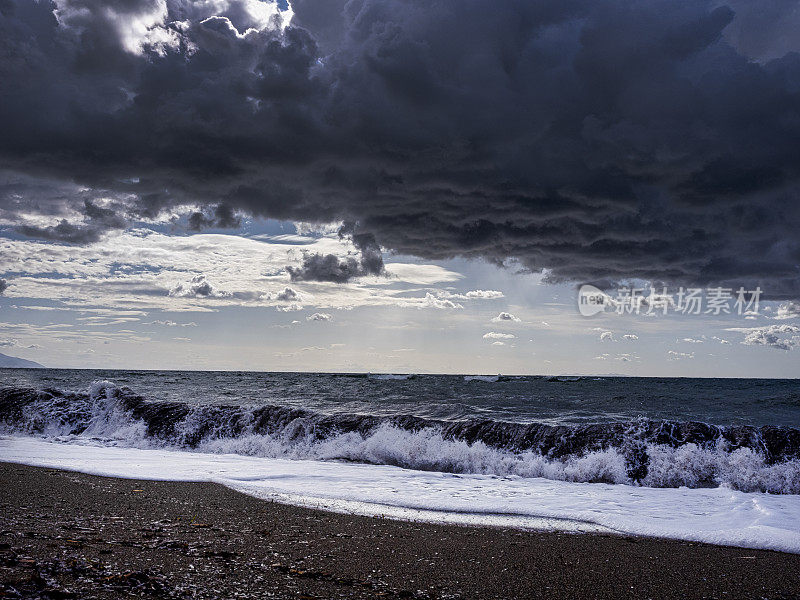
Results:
688 301
592 300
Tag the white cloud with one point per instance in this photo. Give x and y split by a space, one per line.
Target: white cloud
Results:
689 340
414 273
607 336
674 355
294 306
317 229
136 31
622 357
498 343
169 323
631 337
473 295
102 320
429 301
140 27
505 317
781 337
319 317
287 294
493 335
485 294
788 310
198 287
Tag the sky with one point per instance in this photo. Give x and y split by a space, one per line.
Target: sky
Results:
400 186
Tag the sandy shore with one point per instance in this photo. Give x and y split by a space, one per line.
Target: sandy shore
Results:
69 535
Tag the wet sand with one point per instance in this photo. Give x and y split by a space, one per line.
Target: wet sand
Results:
69 535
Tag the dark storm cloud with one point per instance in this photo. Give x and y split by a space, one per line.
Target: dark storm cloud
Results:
3 286
223 217
331 268
325 267
766 29
597 139
97 222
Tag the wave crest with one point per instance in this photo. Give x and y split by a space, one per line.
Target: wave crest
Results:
642 452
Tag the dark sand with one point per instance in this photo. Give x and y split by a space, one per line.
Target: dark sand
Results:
68 535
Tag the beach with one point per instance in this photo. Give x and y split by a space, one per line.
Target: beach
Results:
70 535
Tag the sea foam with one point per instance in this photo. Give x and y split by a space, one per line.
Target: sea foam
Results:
713 515
642 454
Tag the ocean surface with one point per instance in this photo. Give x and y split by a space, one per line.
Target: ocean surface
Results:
713 460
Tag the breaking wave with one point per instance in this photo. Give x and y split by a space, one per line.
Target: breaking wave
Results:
645 452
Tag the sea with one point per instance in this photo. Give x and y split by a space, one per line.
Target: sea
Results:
707 460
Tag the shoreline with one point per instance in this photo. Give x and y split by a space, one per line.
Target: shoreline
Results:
67 534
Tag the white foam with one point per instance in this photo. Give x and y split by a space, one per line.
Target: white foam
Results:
484 378
207 430
716 515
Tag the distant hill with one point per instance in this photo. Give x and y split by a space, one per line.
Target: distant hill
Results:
12 362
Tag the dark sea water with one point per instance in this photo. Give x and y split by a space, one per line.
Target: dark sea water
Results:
660 432
558 401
